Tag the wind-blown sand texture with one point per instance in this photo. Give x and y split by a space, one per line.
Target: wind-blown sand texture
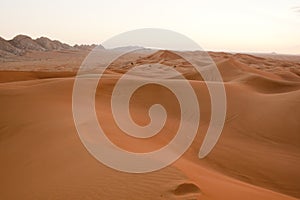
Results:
257 156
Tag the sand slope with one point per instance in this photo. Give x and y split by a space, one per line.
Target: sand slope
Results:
257 156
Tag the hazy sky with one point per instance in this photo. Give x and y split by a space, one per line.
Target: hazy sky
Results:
231 25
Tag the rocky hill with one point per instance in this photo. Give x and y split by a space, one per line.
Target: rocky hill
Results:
48 44
7 49
22 44
25 43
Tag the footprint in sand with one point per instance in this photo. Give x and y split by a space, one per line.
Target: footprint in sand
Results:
188 190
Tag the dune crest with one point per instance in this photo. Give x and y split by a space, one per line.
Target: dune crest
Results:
41 155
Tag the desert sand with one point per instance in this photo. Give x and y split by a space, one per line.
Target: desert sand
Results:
257 156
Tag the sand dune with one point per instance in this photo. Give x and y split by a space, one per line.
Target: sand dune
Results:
257 156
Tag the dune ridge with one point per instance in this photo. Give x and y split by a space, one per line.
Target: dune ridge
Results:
257 156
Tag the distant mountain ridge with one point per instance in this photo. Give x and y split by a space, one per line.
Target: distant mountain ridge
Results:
7 49
23 43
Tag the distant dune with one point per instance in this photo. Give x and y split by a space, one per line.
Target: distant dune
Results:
42 157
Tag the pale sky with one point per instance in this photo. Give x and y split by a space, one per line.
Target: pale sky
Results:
231 25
